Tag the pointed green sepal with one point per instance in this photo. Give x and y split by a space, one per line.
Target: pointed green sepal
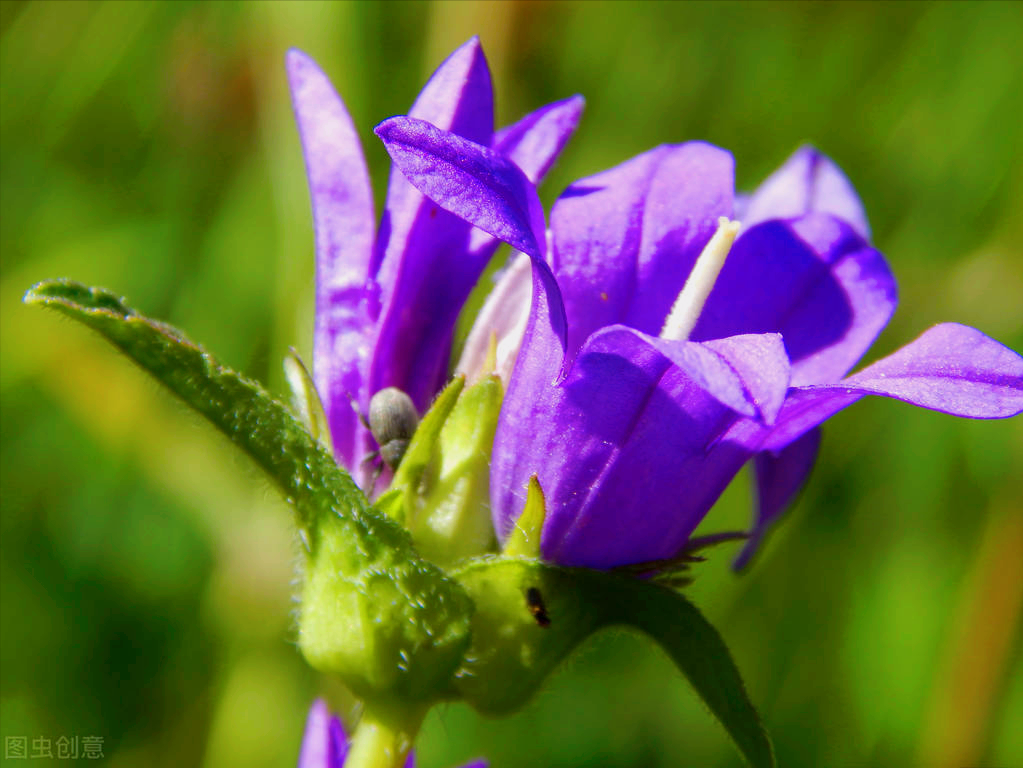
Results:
524 540
445 475
392 625
530 615
306 400
409 476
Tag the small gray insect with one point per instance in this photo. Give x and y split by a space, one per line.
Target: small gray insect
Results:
392 420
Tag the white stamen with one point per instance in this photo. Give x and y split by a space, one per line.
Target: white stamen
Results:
687 307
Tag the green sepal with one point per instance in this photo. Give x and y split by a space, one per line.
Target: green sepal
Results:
524 539
418 456
391 624
445 474
393 628
530 615
306 399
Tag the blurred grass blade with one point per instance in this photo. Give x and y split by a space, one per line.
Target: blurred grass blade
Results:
530 615
253 420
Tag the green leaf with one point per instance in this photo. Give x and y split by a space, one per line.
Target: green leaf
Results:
524 539
391 624
530 615
253 420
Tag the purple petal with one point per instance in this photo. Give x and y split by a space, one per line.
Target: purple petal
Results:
626 239
458 98
529 398
347 300
749 374
780 476
739 206
808 182
473 182
815 281
533 144
324 744
950 368
627 451
628 448
424 272
535 141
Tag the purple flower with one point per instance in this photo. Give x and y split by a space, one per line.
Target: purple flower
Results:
325 744
633 427
387 299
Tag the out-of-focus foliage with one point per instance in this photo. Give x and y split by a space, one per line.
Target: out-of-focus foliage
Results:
145 578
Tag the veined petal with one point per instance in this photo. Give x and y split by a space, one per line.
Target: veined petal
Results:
457 98
749 374
530 398
421 255
808 182
473 182
779 478
629 448
626 239
535 141
812 279
347 300
533 144
950 368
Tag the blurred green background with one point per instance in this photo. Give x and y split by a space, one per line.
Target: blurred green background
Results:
147 569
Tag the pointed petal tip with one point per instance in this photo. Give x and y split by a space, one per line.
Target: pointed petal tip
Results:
385 128
574 106
807 148
471 49
577 100
296 61
398 126
951 368
481 186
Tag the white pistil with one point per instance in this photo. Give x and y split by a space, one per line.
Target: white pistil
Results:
687 307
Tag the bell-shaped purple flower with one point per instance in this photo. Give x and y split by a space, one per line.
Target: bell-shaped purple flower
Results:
387 299
632 433
325 743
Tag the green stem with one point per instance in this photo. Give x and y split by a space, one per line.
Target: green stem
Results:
383 742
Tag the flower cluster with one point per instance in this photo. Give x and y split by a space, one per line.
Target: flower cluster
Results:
651 337
634 412
657 333
634 398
